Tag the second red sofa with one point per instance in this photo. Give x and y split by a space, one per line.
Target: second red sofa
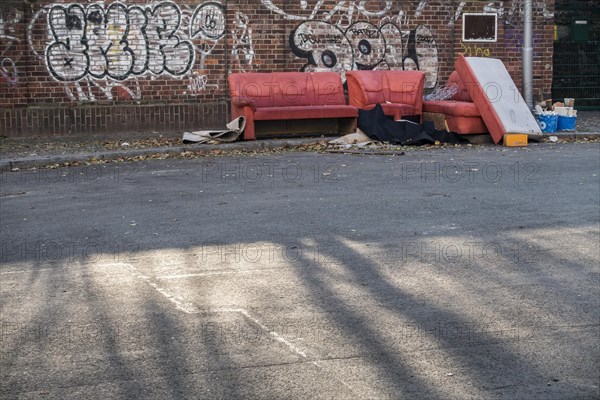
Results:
400 93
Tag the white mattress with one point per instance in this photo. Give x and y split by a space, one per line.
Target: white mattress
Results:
504 96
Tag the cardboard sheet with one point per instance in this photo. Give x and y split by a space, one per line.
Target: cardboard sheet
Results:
234 129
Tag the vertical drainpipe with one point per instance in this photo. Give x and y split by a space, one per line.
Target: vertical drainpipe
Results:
528 54
226 54
452 14
226 36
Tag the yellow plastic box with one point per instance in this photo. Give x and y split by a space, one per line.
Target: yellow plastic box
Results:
515 139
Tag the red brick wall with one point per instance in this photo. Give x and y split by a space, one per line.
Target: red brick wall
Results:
60 59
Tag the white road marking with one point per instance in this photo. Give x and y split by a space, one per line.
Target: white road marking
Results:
284 341
262 326
189 308
26 271
200 274
62 267
186 308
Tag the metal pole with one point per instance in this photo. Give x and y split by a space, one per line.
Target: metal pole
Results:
528 53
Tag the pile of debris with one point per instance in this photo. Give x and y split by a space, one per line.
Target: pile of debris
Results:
560 116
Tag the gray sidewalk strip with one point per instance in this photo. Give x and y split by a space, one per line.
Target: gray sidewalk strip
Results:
10 163
111 155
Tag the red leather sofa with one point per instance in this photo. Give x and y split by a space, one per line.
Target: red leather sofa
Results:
461 114
278 98
400 93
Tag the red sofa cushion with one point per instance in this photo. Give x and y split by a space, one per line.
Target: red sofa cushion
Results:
254 86
279 89
452 108
405 87
395 109
305 112
327 88
461 114
289 89
244 101
367 88
466 125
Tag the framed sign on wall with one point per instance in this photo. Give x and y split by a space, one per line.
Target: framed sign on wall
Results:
480 27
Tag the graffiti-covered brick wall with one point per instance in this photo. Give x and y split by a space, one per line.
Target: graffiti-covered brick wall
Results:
508 47
93 67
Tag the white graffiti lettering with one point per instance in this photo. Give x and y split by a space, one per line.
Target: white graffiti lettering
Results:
366 8
198 82
243 49
117 41
95 49
9 56
514 15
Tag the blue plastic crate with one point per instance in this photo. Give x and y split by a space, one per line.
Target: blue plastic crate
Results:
547 122
566 123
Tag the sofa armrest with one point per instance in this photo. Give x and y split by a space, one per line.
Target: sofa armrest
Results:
244 101
356 92
406 87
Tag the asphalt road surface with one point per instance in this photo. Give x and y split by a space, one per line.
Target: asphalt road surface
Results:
449 273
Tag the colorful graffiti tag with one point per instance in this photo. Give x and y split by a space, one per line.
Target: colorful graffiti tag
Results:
473 50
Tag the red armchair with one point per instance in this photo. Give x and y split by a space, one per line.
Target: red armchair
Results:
461 114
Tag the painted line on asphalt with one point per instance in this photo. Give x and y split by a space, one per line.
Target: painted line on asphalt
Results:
186 308
26 271
287 343
262 326
62 267
200 274
189 308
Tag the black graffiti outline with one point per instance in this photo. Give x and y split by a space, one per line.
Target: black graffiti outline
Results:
123 41
329 58
397 28
97 14
308 54
409 54
173 35
144 35
200 29
66 11
412 49
369 34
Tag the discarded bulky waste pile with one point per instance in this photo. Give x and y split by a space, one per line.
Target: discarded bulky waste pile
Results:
463 107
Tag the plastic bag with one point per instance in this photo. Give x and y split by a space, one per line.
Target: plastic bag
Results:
442 92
